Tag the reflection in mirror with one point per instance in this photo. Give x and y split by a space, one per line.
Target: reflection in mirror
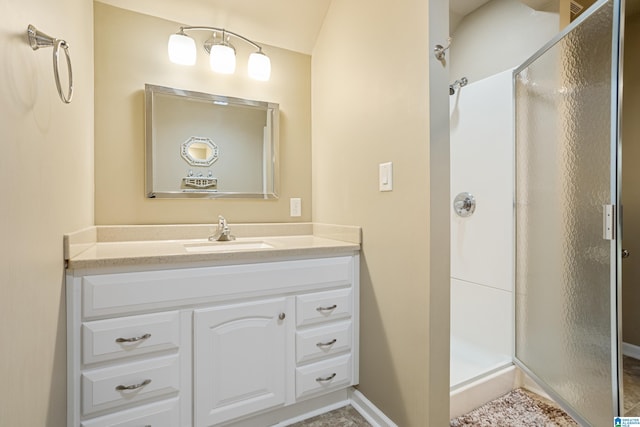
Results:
199 151
204 145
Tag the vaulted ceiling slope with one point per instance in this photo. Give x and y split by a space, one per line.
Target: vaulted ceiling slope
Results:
289 24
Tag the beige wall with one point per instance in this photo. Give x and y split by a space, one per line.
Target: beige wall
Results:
371 105
501 34
123 64
630 186
46 182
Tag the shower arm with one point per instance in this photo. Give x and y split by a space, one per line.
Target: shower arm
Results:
462 82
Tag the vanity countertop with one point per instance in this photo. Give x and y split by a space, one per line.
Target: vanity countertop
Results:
121 246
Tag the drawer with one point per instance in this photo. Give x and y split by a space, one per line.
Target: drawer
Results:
101 388
322 377
128 336
159 414
322 306
121 293
322 342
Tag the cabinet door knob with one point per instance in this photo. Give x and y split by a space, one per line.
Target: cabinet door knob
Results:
133 386
331 307
134 339
281 316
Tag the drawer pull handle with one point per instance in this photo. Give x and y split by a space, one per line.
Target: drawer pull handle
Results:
133 386
328 343
325 379
282 316
134 339
331 307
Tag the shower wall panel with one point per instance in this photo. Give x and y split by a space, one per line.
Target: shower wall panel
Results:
482 163
481 330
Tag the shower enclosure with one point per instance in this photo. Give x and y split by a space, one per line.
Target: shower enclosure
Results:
549 298
568 254
481 135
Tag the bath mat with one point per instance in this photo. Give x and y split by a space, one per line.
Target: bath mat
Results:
520 408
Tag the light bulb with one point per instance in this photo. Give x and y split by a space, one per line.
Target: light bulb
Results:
259 66
222 58
182 49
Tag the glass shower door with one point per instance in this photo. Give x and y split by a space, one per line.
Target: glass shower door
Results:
566 179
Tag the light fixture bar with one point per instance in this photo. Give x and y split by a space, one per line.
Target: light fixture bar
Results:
225 31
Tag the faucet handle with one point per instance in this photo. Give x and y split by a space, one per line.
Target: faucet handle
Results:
223 233
222 223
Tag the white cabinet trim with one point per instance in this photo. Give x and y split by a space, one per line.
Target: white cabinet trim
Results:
111 294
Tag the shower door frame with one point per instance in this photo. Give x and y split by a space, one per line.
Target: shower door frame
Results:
615 192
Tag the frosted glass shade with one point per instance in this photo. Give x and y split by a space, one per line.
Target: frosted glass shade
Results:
182 49
222 59
259 66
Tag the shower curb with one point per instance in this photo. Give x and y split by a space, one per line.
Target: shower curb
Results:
473 395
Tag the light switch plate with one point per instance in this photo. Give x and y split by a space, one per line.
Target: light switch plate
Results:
386 176
295 206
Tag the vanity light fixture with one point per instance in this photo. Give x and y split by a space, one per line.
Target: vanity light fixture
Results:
222 54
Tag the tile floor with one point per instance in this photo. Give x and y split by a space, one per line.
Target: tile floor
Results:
343 417
631 381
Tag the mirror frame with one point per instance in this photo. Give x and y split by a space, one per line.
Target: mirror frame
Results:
272 183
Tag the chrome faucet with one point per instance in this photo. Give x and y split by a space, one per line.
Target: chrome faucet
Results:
223 233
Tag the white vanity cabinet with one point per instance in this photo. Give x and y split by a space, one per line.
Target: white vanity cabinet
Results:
240 359
326 343
200 346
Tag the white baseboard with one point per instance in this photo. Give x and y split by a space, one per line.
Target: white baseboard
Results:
297 412
631 350
320 405
368 410
313 413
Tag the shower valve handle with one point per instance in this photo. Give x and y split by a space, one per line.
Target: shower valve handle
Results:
464 204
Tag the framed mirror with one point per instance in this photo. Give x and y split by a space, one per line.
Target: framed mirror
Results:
209 146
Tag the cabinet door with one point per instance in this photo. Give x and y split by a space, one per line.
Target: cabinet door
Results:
240 359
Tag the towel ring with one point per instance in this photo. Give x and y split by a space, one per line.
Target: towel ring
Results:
56 49
38 39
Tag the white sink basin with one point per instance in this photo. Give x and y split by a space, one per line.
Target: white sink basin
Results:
232 246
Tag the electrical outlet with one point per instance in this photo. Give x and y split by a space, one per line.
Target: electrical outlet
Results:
295 206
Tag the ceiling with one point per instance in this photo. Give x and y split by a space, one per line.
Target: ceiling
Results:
465 7
458 9
289 24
